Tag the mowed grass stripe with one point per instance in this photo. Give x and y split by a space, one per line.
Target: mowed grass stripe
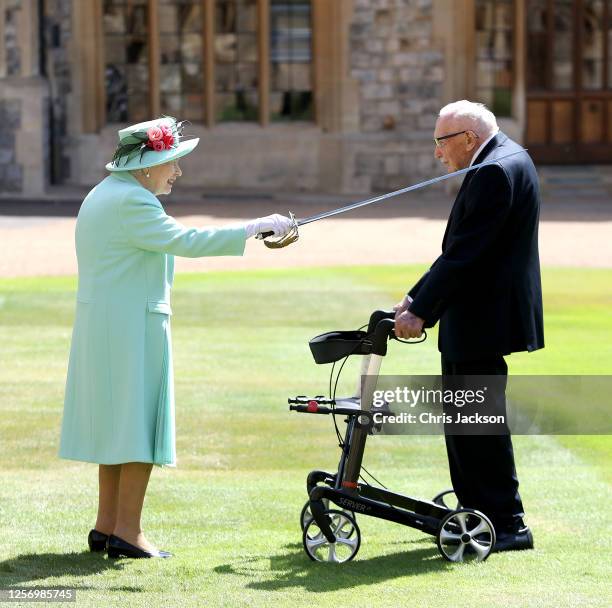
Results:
230 509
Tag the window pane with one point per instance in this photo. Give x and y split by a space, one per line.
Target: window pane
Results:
537 47
181 72
170 79
138 95
485 96
246 76
191 77
592 44
246 16
610 48
484 44
563 46
485 74
236 106
126 60
494 54
281 77
114 18
192 107
291 60
247 48
170 51
236 57
167 19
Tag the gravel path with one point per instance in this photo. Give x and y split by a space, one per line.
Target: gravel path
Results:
38 239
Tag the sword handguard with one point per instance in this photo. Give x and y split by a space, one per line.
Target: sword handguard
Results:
291 237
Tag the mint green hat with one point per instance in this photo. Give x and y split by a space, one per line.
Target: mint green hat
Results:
150 143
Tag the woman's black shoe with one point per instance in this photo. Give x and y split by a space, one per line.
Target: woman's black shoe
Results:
117 547
97 541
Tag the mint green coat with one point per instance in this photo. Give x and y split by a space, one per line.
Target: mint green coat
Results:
119 400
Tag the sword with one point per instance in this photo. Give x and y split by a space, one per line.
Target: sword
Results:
293 234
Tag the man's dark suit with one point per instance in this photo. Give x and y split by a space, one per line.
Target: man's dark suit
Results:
486 293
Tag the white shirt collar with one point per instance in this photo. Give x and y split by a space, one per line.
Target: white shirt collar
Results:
484 143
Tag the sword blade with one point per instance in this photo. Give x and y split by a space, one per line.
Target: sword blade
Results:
382 197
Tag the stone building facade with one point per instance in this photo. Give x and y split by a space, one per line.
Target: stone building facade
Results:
296 95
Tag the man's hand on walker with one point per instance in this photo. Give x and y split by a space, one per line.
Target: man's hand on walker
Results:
280 225
408 325
400 307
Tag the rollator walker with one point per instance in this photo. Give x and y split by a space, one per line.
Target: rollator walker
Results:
331 533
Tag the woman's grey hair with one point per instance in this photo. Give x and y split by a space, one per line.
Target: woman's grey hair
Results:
483 121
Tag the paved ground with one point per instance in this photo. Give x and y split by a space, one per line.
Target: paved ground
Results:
38 237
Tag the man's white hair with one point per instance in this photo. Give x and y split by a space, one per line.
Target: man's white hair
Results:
483 121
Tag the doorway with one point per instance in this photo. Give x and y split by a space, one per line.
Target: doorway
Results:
569 81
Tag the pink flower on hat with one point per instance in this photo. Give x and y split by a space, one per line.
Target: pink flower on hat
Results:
168 137
155 134
158 146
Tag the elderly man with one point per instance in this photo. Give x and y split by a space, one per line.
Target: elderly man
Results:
485 291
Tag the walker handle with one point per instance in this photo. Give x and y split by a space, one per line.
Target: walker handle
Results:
377 316
382 333
321 409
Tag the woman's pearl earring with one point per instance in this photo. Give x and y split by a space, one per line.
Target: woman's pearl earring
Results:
147 174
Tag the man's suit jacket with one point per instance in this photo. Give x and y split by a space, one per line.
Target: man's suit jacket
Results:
485 288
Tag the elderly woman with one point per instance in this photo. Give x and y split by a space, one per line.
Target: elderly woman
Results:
119 402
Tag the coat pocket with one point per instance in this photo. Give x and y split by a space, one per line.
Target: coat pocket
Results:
161 307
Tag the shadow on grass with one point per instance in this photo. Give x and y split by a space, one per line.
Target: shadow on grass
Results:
31 567
294 569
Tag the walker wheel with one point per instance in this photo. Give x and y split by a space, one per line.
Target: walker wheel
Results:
466 535
448 500
346 532
306 515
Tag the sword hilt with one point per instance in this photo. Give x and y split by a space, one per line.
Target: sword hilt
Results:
283 241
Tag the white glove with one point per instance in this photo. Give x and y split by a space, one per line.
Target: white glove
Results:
276 223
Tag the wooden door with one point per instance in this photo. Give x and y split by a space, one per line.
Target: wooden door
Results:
569 81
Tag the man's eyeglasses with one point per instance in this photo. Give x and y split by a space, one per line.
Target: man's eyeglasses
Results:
438 140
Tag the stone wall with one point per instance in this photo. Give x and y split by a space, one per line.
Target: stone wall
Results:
24 124
400 75
11 174
11 42
393 83
23 128
57 28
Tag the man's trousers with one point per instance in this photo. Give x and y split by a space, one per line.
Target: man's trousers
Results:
482 466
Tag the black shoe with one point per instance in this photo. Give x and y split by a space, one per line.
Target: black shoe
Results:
117 547
514 541
96 540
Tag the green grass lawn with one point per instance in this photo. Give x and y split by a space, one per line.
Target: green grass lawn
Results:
230 510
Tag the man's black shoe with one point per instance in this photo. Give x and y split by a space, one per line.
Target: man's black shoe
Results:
514 541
